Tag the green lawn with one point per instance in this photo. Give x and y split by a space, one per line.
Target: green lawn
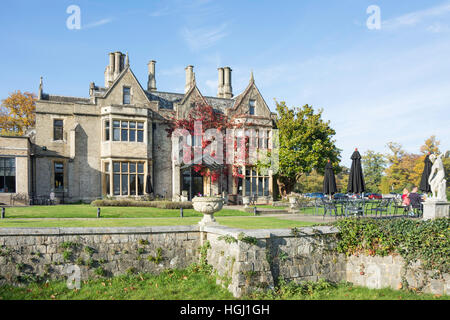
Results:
88 211
189 284
234 222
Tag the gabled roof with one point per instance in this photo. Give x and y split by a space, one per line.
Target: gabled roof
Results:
241 97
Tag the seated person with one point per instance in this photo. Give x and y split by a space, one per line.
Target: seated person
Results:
416 199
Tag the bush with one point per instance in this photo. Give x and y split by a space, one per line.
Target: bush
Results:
427 241
135 203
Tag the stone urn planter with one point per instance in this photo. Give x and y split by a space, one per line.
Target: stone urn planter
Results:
246 201
208 206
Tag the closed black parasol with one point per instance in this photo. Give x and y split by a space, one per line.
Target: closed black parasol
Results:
356 179
329 181
424 185
148 185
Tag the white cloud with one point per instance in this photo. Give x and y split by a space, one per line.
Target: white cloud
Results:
97 23
205 37
414 18
438 28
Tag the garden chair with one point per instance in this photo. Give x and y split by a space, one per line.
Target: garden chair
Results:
328 206
398 204
355 208
382 206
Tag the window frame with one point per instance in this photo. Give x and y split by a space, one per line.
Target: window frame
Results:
61 128
126 95
11 160
60 174
138 175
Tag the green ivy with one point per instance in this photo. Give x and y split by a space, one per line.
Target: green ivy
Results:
228 239
247 239
427 241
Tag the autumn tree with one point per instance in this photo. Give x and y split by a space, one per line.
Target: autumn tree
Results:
17 113
400 173
305 143
374 164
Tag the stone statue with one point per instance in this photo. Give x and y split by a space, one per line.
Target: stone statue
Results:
436 179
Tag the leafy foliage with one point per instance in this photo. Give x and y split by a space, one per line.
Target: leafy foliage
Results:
17 113
305 144
373 164
427 241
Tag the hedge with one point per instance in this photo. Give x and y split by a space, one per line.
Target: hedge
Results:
134 203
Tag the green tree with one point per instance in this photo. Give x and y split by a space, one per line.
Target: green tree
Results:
305 144
374 164
310 182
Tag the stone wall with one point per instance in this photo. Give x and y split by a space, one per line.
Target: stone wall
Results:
305 256
47 252
390 272
255 262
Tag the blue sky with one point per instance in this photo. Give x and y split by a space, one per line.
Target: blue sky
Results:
375 86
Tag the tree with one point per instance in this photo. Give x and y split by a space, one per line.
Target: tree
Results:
17 113
311 182
374 165
431 146
305 144
401 173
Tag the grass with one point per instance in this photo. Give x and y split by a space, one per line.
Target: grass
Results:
234 222
88 211
189 284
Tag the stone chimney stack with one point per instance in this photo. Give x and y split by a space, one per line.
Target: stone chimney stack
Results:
189 78
227 89
117 63
151 84
221 83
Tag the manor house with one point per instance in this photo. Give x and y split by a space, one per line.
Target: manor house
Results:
115 142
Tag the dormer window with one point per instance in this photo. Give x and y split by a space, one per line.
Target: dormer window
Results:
126 95
251 107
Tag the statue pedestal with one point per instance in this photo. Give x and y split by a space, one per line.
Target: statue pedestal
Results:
435 209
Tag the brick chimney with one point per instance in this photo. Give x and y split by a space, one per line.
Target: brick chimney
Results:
227 89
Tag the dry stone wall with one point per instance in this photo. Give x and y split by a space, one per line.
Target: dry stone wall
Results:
244 260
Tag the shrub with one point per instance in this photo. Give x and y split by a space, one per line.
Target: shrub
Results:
135 203
427 241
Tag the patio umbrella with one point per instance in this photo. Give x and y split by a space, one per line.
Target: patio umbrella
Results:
424 185
356 179
329 181
148 186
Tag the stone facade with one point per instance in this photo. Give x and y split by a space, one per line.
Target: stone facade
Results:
76 141
245 260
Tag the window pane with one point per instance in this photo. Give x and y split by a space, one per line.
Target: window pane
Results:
140 167
266 187
58 129
116 166
140 184
10 184
2 162
132 167
133 185
124 124
140 125
124 184
260 187
124 135
247 186
140 136
59 175
132 135
116 123
107 184
124 167
107 130
126 96
2 184
254 186
132 124
106 166
116 134
116 184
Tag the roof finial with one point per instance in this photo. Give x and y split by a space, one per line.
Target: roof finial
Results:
41 89
252 78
